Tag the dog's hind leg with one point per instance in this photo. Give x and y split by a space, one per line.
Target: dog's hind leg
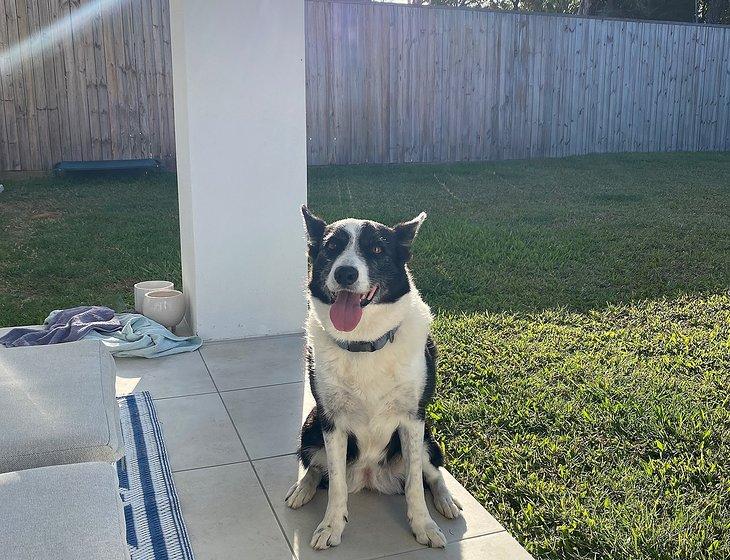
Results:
314 459
445 503
304 489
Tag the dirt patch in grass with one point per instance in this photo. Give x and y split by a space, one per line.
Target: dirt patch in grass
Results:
46 216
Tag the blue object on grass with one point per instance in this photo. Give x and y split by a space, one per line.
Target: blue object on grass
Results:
147 164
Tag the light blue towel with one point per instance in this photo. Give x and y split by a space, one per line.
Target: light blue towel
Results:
144 338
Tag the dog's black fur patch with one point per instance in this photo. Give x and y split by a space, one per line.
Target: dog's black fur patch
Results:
324 422
312 439
430 386
388 268
394 450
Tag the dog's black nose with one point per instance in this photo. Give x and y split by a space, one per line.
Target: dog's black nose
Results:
346 275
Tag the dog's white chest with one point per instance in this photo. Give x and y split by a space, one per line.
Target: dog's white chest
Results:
370 385
370 394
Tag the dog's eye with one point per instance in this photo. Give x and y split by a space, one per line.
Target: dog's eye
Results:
377 249
331 245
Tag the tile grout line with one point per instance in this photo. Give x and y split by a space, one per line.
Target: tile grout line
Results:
260 386
181 396
222 391
211 466
255 472
274 456
219 391
297 334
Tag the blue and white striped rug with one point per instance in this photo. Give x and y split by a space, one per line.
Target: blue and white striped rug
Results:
155 527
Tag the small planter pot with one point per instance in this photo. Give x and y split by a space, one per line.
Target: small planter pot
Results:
167 307
141 288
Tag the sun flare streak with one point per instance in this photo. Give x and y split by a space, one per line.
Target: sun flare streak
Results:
52 34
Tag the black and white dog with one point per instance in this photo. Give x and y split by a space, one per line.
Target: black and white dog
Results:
371 365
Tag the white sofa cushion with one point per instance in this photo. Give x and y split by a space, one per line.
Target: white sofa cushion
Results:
65 512
58 404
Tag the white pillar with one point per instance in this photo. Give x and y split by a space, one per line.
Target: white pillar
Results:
238 76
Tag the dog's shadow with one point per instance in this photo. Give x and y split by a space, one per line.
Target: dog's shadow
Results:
377 525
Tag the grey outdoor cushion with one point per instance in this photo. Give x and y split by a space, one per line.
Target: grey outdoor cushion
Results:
65 512
58 406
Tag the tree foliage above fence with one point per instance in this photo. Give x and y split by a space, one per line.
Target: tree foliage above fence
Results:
705 11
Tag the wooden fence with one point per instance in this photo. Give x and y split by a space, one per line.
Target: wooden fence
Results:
92 80
394 83
385 83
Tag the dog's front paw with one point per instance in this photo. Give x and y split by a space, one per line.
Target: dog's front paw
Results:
300 494
427 532
329 532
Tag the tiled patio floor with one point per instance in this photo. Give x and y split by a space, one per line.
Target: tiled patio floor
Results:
230 415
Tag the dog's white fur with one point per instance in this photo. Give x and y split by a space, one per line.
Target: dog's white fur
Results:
372 395
350 257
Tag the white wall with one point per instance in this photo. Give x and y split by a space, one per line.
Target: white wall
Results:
238 76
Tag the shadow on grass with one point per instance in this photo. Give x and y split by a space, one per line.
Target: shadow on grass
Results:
511 236
82 241
576 232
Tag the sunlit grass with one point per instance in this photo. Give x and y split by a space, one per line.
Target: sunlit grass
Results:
584 331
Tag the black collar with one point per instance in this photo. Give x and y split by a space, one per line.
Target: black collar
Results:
367 346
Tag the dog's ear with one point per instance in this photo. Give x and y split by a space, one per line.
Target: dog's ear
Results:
405 233
315 226
315 232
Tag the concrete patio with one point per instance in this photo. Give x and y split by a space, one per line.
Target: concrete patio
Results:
231 414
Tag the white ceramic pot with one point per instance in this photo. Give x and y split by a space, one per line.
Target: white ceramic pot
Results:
141 288
167 307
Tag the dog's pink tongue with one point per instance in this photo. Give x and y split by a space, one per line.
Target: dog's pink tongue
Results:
346 312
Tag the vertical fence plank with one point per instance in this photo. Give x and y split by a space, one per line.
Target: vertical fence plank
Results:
56 94
11 146
142 92
44 84
25 98
159 99
113 88
102 87
35 84
5 160
167 98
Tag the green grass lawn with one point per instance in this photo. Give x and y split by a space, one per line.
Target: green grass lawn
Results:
582 314
68 242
